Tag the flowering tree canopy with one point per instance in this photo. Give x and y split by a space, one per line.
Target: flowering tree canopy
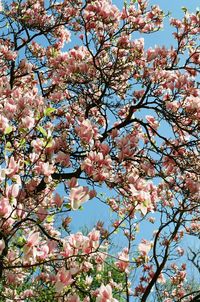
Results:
105 114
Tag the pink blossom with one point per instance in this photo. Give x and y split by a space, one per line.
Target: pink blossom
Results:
11 278
42 213
80 242
63 159
12 191
73 298
152 122
7 224
92 194
73 182
10 108
2 245
141 196
30 250
161 279
57 200
85 131
26 66
5 207
13 167
151 54
123 261
97 166
44 168
42 252
144 247
94 236
63 278
67 250
20 211
105 294
28 122
37 145
104 148
180 251
77 196
28 293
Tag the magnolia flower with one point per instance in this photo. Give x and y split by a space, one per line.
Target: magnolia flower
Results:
13 167
144 247
85 131
77 196
57 200
94 236
12 191
44 168
63 159
123 261
2 246
73 298
42 213
63 278
43 252
105 294
152 122
4 122
28 122
5 207
30 250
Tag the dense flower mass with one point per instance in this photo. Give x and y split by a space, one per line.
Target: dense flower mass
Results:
90 115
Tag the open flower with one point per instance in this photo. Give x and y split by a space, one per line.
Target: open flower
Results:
2 246
63 278
123 260
30 250
105 294
77 196
144 247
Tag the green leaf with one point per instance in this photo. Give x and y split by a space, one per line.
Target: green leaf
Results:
54 52
8 147
42 130
50 218
22 142
21 241
50 144
145 203
8 130
67 206
184 9
49 111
